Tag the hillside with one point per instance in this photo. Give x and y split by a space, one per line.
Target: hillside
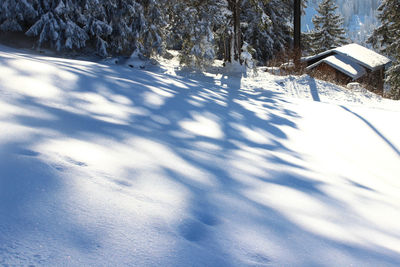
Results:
106 165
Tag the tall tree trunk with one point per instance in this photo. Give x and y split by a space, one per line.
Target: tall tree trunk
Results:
297 31
236 35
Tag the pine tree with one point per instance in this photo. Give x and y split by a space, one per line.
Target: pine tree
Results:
153 29
386 38
202 29
267 26
124 17
16 15
93 16
328 30
198 26
57 26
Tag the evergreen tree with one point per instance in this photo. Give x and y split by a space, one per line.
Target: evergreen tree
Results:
198 25
153 26
386 38
202 29
57 25
125 18
267 26
328 30
16 15
94 17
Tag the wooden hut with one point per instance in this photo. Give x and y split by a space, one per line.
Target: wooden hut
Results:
350 63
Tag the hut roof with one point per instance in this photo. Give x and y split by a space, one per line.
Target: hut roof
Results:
363 56
343 64
357 53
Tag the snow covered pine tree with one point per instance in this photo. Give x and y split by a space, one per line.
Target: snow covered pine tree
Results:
198 24
386 38
328 30
105 27
16 15
57 25
202 30
267 26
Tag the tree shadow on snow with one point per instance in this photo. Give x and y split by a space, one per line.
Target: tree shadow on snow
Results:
231 139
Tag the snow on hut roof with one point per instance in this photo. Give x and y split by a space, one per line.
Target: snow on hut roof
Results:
320 55
360 54
363 56
343 64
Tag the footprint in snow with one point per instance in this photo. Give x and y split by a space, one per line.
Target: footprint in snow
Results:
59 167
123 183
27 152
192 230
259 259
75 162
207 218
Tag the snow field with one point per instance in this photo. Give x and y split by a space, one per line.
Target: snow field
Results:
104 165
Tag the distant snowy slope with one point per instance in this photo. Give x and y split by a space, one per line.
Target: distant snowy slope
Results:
104 165
360 17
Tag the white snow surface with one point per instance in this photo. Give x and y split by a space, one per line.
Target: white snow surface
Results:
343 64
105 165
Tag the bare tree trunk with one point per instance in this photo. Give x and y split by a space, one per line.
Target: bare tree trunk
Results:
297 31
236 36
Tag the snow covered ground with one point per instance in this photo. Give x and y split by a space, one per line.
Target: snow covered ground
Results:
105 165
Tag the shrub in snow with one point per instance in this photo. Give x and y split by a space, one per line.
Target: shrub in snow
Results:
247 58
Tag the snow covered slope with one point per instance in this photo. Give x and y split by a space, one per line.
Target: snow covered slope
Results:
103 165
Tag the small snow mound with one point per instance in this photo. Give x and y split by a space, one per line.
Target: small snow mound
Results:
288 65
240 70
353 85
136 60
110 61
235 68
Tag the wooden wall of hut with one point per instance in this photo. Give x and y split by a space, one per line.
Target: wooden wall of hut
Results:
327 73
374 81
